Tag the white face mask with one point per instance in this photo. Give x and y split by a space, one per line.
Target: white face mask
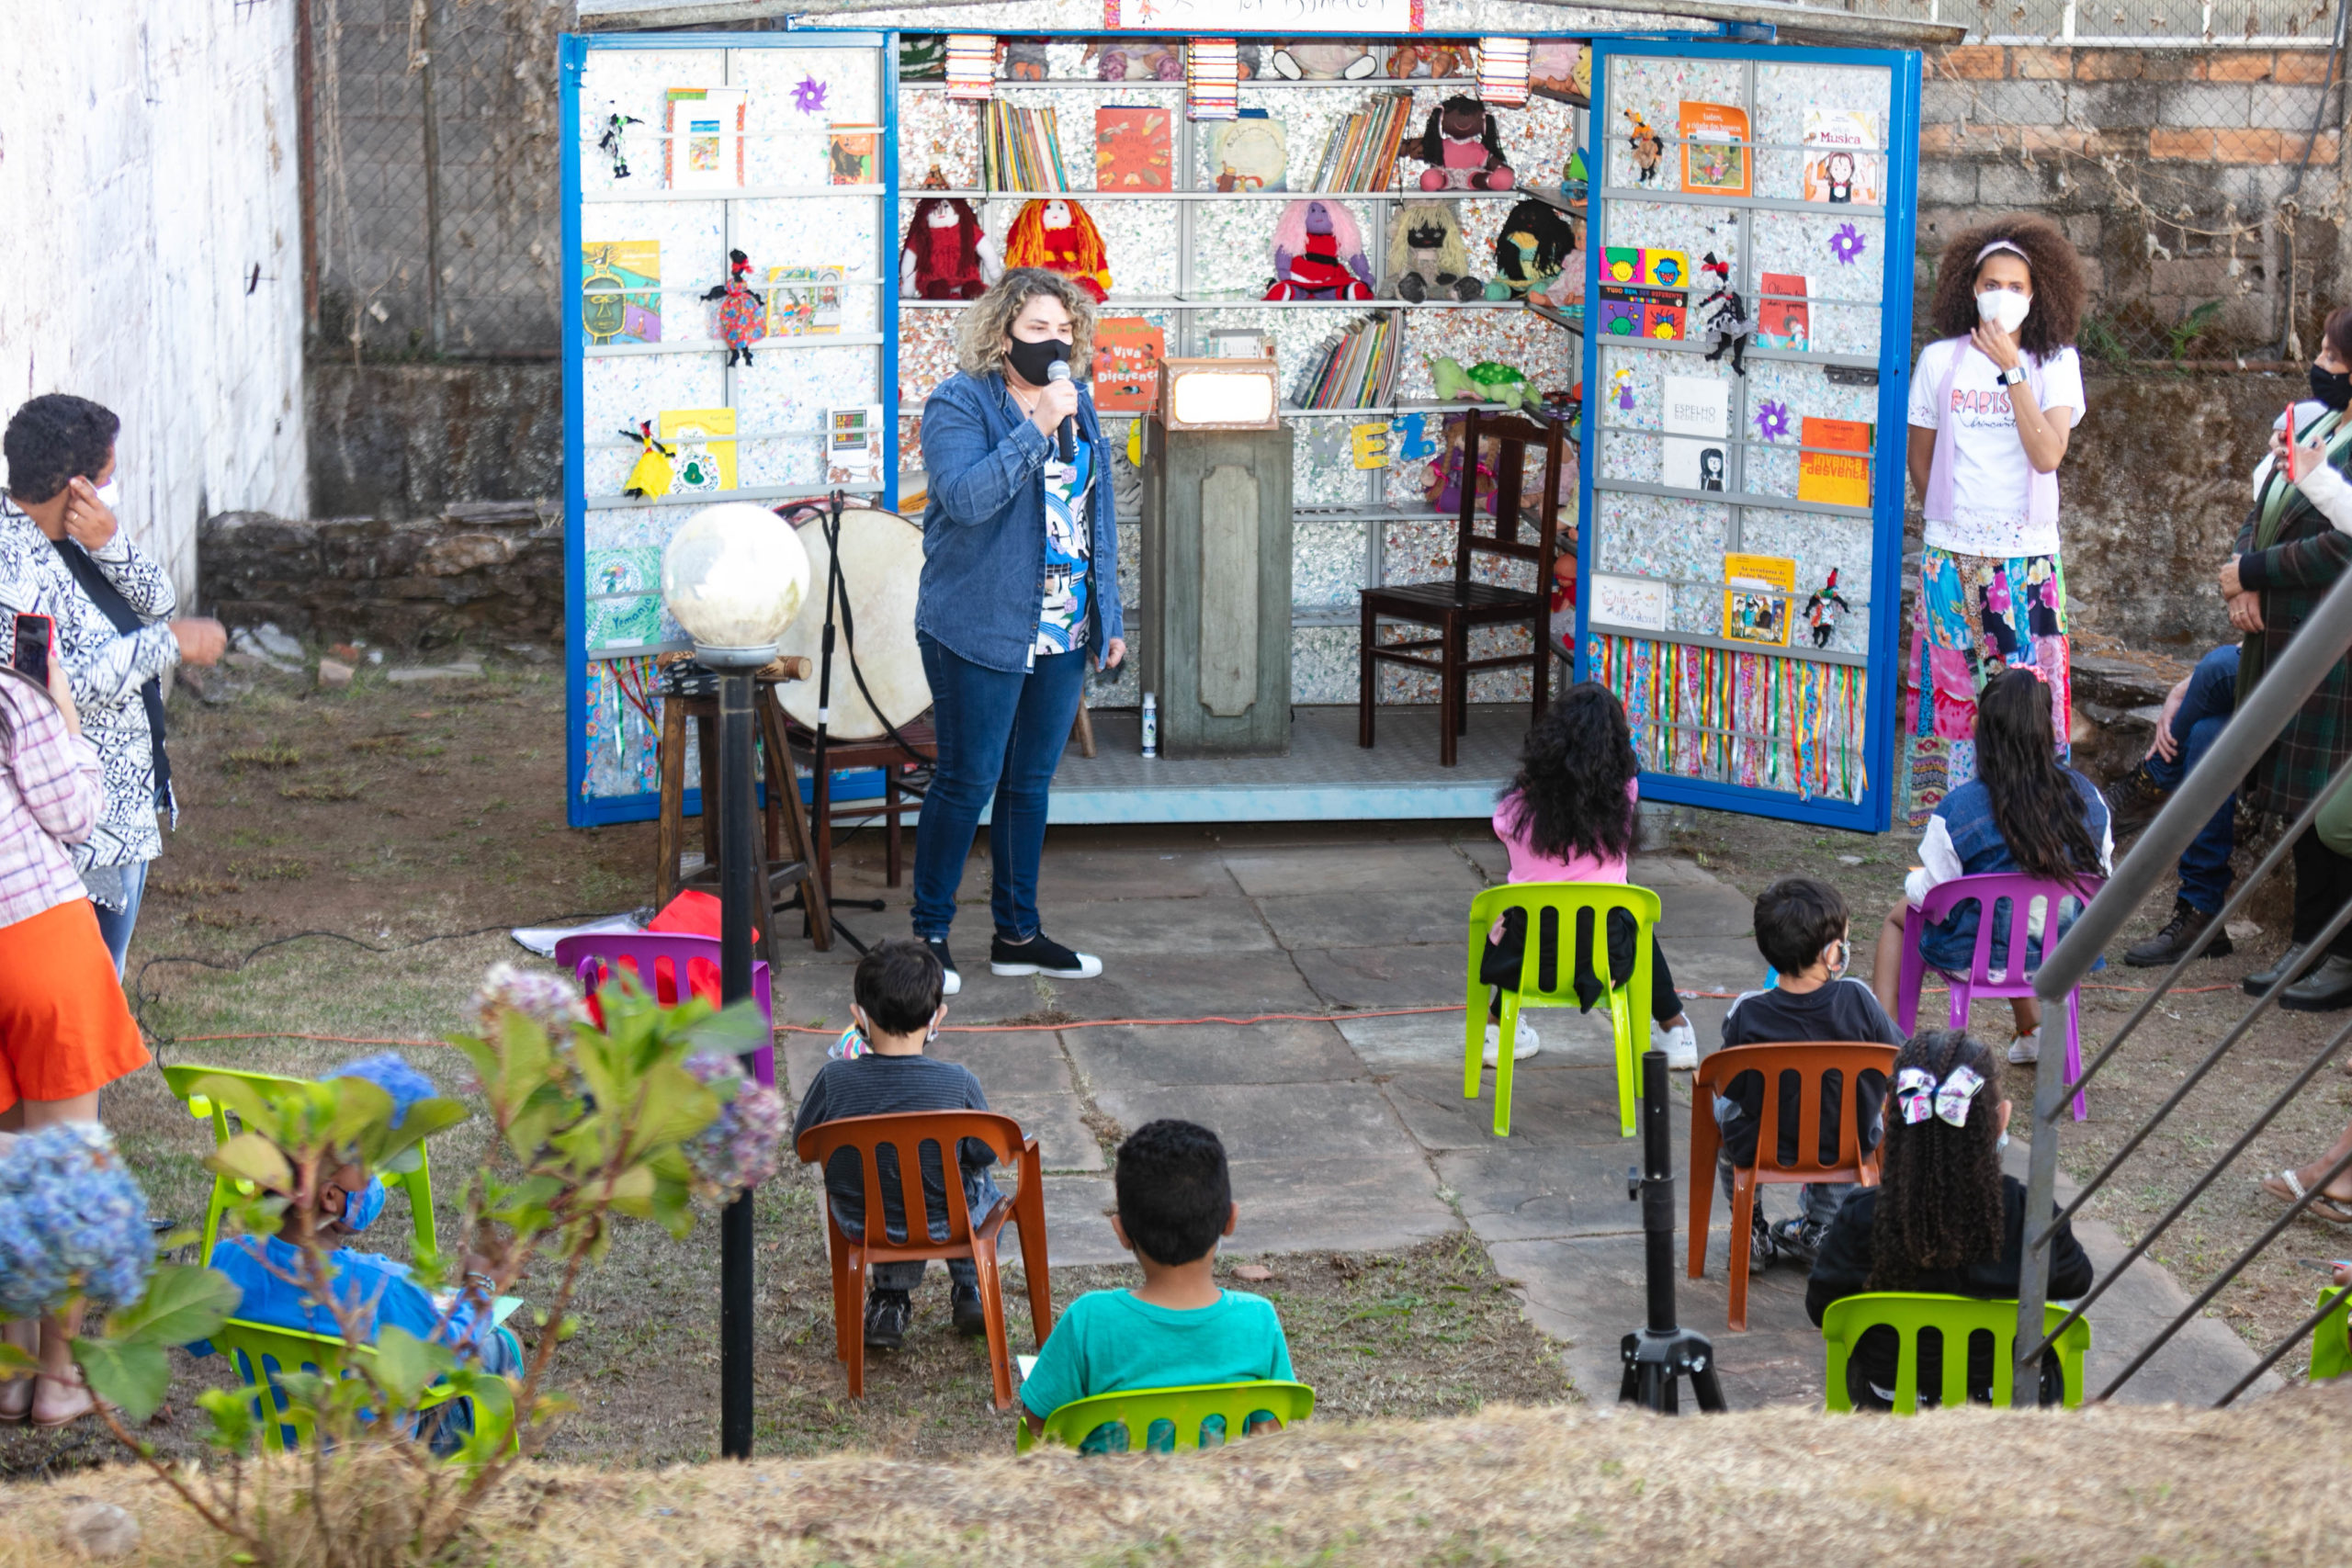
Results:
2004 307
110 494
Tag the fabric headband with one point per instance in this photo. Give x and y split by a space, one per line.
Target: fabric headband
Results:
1918 1095
2004 245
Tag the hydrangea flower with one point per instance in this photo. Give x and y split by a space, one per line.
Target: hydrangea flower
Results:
70 1220
394 1077
552 1001
741 1148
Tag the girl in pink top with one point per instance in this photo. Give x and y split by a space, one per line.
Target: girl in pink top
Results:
1569 817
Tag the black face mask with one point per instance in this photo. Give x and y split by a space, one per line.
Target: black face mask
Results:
2333 388
1034 361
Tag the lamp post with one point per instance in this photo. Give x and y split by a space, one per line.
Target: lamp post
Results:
735 576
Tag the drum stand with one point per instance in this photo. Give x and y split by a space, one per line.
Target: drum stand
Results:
830 521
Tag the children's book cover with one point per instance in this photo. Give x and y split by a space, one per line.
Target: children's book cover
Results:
1621 265
1835 466
1128 352
1666 269
850 153
624 604
620 290
1755 598
1715 148
804 301
1783 318
1132 148
1696 419
705 144
1621 311
1840 162
1663 315
705 464
854 443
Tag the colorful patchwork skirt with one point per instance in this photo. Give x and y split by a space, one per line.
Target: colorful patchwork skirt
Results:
1976 616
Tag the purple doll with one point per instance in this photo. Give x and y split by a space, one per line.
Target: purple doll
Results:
1318 254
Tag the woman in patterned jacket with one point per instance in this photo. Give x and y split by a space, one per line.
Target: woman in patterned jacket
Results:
63 555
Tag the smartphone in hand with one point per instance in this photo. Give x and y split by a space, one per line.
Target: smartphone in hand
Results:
32 653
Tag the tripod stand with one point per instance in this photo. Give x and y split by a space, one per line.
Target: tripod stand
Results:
1658 1357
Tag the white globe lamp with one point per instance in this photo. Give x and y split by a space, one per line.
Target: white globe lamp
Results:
735 576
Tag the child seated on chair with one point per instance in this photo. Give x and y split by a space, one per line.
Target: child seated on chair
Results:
266 1270
2024 812
879 1070
1943 1219
1801 931
1179 1327
1569 816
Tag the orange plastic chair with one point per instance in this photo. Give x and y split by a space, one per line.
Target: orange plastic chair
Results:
1809 1062
905 1133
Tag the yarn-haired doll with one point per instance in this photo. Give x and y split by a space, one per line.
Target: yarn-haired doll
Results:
1059 236
1426 255
1318 254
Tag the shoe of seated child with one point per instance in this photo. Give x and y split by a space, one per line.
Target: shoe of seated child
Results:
2026 1049
971 1318
1800 1238
1760 1250
886 1319
1683 1049
1524 1042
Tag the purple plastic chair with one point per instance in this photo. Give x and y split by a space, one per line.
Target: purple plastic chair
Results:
2016 897
658 959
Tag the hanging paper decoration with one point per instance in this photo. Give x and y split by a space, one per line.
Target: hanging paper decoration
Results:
1847 244
1772 419
808 96
1758 721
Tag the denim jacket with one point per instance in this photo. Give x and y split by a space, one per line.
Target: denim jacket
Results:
984 530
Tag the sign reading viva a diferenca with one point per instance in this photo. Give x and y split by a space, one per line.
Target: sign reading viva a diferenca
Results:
1219 18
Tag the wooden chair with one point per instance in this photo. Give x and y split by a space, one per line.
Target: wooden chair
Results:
1137 1414
2013 896
1958 1319
1453 607
672 966
791 857
969 1236
848 756
1808 1063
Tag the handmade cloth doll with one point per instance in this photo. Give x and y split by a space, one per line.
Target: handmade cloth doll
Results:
1532 250
1426 255
1727 323
1025 59
1557 68
1462 148
1647 147
942 258
1322 61
1136 60
742 310
1821 611
614 141
650 476
1059 236
1318 254
1436 57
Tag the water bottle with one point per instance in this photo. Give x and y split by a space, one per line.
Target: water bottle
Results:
1150 725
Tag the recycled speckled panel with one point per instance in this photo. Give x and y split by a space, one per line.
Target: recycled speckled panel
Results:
816 231
1323 664
1656 88
1327 563
1785 92
936 130
619 391
790 391
1652 535
1820 544
1549 358
632 82
1668 224
693 258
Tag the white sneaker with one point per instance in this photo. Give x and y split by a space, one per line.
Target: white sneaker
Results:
1524 1041
2026 1049
1681 1049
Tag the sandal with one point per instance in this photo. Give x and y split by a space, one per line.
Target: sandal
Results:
89 1402
14 1411
2331 1210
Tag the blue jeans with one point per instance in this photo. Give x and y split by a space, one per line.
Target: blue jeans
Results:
1004 732
2211 698
115 926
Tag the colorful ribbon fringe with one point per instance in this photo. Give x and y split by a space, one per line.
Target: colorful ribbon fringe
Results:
1758 720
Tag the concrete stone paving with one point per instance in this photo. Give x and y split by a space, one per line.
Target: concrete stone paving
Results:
1351 1132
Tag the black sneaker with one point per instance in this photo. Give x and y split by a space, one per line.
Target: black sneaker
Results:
1041 955
2133 800
938 945
1800 1238
971 1319
2180 934
1759 1240
886 1319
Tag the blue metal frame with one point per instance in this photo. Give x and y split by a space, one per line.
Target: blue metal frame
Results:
1888 478
574 49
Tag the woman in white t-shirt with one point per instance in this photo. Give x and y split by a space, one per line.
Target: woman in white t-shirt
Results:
1993 402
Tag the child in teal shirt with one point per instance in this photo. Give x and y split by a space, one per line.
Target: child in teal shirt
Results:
1179 1327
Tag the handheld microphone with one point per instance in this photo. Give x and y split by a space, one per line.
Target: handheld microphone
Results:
1060 371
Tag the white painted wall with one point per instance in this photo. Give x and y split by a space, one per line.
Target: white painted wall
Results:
148 163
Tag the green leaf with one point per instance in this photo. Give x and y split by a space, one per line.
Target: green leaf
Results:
17 1362
425 1118
232 1418
255 1159
131 1377
238 1097
406 1365
360 1108
183 1303
737 1031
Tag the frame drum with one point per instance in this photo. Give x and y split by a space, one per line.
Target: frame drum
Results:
881 569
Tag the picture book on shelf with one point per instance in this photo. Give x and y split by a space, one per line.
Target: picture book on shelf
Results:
1128 352
1696 420
850 153
1251 151
1715 148
1645 268
1664 314
1835 466
1639 603
1840 162
1132 148
620 290
1783 318
704 145
854 443
703 464
804 301
1755 598
1621 311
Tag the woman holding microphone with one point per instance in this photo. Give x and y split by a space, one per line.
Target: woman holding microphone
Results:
1020 589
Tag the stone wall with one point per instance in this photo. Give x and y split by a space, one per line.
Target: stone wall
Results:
480 572
406 440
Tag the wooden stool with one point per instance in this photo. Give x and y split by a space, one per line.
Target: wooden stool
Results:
789 860
842 756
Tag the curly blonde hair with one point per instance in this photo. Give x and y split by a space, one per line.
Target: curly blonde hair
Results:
982 332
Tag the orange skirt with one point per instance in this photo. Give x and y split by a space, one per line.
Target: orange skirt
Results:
64 1027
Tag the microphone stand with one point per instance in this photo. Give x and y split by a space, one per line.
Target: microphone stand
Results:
831 523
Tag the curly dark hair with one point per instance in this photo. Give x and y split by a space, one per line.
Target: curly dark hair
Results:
2059 290
1939 1186
2042 815
1573 772
54 438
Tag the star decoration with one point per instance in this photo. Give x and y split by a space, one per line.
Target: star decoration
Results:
1772 419
808 97
1847 243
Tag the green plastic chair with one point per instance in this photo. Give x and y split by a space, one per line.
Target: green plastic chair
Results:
1628 997
2331 1340
417 1183
1959 1317
260 1351
1184 1409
